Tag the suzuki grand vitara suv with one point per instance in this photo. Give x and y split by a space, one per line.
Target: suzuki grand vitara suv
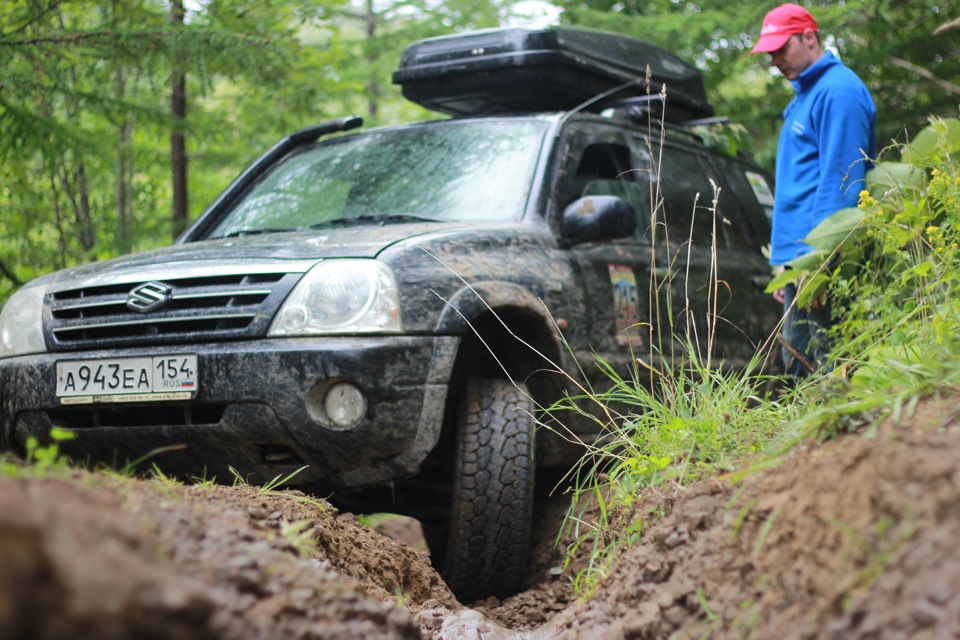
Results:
392 309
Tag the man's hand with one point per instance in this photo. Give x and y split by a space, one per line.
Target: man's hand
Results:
778 294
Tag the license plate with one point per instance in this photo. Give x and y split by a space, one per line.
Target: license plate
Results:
146 378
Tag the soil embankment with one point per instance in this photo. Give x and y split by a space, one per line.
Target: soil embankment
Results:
855 538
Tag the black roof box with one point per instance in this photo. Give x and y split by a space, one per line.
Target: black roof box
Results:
554 69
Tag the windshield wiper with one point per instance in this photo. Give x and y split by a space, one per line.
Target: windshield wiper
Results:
338 222
257 232
366 219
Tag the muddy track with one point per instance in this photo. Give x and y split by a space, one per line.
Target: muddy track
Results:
855 538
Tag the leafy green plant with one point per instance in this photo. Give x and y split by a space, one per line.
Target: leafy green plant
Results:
401 598
238 480
131 466
691 423
300 536
269 487
40 459
892 268
891 264
273 488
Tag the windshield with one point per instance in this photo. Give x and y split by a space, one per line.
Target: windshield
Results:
448 171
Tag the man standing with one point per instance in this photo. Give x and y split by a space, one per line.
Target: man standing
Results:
828 131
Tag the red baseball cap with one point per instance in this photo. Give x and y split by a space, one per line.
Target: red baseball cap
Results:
781 23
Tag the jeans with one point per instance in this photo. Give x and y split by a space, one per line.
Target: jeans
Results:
807 332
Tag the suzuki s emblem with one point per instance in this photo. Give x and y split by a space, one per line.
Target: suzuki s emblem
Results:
148 297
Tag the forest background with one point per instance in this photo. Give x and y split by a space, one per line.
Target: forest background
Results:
121 120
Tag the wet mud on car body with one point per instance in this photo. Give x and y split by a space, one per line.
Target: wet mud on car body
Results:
389 308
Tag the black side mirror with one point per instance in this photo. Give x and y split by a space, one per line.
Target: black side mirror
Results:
597 218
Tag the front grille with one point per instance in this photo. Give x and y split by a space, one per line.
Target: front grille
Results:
195 309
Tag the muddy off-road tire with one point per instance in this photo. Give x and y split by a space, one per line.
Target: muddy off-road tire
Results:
489 524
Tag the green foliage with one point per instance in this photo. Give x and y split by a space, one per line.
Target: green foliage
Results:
300 536
84 102
273 487
891 264
892 269
692 421
41 460
84 106
279 481
895 47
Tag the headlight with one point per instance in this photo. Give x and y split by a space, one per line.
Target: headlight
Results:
21 323
341 296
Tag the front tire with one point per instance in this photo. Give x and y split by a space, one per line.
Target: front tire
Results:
492 506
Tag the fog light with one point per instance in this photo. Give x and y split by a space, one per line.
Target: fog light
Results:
344 405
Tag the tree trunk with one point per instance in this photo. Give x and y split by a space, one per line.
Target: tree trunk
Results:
9 274
77 192
373 89
178 146
124 171
88 238
74 185
58 218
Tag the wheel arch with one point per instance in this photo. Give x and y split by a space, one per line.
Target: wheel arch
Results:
506 332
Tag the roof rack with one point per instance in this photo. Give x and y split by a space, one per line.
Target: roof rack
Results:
641 109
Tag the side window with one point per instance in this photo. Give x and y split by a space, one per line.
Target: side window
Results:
599 163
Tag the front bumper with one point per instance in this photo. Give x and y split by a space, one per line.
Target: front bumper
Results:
250 413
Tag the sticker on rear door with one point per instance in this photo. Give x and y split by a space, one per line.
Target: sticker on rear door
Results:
760 188
626 307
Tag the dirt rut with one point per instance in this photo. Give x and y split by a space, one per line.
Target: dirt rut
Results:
855 538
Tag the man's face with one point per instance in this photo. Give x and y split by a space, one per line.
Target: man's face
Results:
793 58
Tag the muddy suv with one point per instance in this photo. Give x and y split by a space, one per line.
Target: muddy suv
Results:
389 310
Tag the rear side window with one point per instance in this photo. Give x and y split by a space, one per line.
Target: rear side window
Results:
687 197
688 184
754 191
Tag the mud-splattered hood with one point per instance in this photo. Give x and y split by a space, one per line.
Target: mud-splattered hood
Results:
299 249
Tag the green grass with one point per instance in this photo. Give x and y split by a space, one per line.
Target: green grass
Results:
692 422
40 460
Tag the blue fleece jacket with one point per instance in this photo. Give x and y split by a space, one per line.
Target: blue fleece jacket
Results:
827 128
